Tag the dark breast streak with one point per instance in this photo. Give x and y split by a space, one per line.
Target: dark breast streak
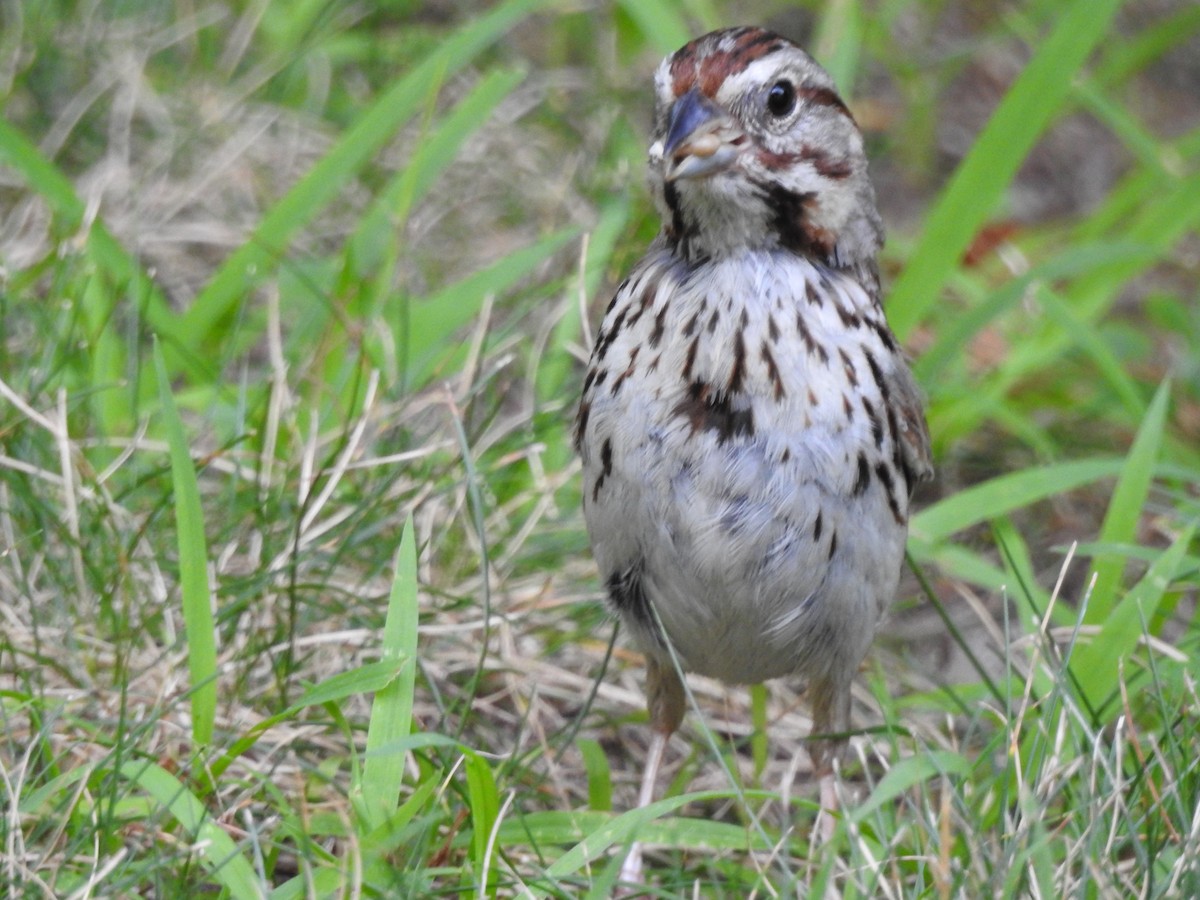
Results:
708 409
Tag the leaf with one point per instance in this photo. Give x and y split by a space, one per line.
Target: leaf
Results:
104 250
1089 338
1130 55
559 364
979 182
484 802
1023 587
688 834
837 43
391 711
659 22
210 841
436 150
1004 494
599 775
1075 260
907 773
365 679
263 250
1128 500
196 592
433 320
1096 665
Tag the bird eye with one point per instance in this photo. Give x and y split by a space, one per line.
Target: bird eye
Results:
781 98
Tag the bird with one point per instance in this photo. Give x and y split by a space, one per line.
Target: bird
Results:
749 428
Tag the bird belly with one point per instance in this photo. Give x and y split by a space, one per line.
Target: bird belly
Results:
754 562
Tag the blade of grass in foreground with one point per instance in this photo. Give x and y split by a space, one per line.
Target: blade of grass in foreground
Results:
391 712
978 183
484 802
1005 494
211 843
906 774
369 678
1125 509
1097 666
646 823
193 566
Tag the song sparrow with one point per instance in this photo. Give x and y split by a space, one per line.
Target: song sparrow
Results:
749 429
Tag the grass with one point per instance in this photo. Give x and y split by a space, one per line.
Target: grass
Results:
296 596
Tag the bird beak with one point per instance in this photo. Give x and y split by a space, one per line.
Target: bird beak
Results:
702 139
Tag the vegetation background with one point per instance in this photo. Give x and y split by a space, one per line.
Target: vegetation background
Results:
295 597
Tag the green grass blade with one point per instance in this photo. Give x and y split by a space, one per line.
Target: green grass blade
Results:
327 881
193 565
1128 500
1159 223
1144 145
391 711
1005 494
435 152
600 834
559 364
599 775
263 250
979 182
1125 58
1096 666
484 802
212 843
42 176
1031 599
571 827
759 721
365 679
838 42
659 22
908 773
959 562
1143 201
1075 260
705 14
111 401
388 837
434 319
1090 339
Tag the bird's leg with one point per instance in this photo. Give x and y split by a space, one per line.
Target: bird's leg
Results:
831 715
665 700
827 793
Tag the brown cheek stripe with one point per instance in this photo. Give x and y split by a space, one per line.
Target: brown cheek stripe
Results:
823 96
